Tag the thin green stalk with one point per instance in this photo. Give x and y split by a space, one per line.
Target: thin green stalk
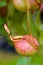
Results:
28 22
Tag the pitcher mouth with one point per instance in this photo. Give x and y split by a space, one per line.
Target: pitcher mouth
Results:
13 38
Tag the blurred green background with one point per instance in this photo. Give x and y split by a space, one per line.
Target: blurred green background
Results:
18 25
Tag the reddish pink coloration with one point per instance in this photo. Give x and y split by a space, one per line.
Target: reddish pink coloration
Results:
31 39
24 46
28 45
41 7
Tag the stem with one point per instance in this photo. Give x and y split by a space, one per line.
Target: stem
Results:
28 22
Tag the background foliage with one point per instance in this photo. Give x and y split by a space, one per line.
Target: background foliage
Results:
18 25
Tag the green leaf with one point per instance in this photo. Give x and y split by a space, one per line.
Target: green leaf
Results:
37 20
37 59
25 24
15 23
41 37
3 3
2 31
34 29
39 26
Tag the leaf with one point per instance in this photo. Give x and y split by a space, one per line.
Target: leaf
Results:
34 29
15 23
41 37
3 3
2 31
25 24
37 59
39 26
37 20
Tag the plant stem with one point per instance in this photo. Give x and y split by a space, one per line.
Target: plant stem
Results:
28 22
28 11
